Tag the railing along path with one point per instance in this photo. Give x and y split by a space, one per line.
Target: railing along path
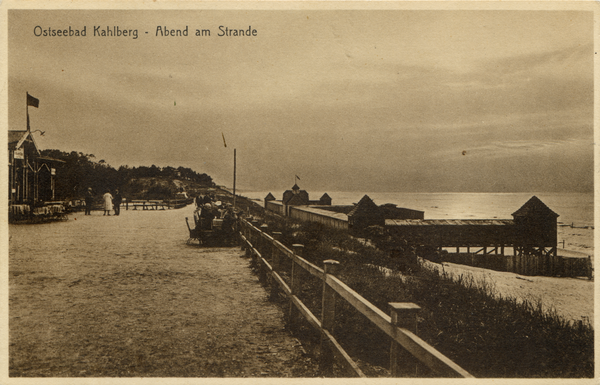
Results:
400 326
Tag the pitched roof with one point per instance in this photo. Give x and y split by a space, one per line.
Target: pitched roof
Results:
270 197
364 206
534 207
295 187
326 196
16 139
15 136
297 199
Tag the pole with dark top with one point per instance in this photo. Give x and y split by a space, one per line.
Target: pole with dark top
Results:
234 170
327 318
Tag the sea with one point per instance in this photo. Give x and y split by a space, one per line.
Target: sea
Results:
575 210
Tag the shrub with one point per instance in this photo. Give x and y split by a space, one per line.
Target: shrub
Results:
467 321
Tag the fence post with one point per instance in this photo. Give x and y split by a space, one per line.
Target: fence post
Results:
327 318
255 244
241 229
275 264
404 315
252 240
263 241
295 284
262 247
275 251
247 234
254 223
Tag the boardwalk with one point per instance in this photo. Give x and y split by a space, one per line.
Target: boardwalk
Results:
126 297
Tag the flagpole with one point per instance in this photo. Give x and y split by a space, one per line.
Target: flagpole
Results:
234 169
27 109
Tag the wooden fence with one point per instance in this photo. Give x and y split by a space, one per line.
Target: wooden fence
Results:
527 264
276 207
400 325
314 214
156 204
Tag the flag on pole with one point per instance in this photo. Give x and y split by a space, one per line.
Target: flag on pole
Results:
224 143
297 177
31 101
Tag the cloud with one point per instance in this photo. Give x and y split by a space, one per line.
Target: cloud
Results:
352 100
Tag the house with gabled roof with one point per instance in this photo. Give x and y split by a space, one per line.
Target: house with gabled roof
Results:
325 200
30 175
294 197
300 197
366 213
535 225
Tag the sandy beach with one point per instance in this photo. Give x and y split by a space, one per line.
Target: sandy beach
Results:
571 298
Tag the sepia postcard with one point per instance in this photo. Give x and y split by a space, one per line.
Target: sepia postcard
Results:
308 192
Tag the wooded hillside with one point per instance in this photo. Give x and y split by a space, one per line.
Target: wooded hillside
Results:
81 171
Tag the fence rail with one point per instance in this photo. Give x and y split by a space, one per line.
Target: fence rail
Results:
156 204
262 246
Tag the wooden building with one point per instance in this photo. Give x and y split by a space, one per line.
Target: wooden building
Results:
531 231
466 233
31 177
292 198
295 196
269 198
366 213
531 234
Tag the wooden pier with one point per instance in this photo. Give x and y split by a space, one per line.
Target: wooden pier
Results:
530 237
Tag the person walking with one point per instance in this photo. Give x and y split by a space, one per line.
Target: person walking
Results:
89 199
117 202
107 202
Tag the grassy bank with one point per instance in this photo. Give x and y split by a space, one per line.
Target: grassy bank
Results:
487 335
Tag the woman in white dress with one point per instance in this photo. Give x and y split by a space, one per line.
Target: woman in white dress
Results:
107 203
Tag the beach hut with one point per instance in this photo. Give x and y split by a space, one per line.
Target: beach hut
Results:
325 200
31 176
535 225
366 213
269 198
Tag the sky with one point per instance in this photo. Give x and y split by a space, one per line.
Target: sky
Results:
395 100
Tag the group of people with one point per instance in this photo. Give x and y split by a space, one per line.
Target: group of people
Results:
208 208
110 202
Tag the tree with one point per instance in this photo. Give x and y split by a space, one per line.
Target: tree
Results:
80 171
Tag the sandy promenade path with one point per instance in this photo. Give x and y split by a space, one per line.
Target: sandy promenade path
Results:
126 296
